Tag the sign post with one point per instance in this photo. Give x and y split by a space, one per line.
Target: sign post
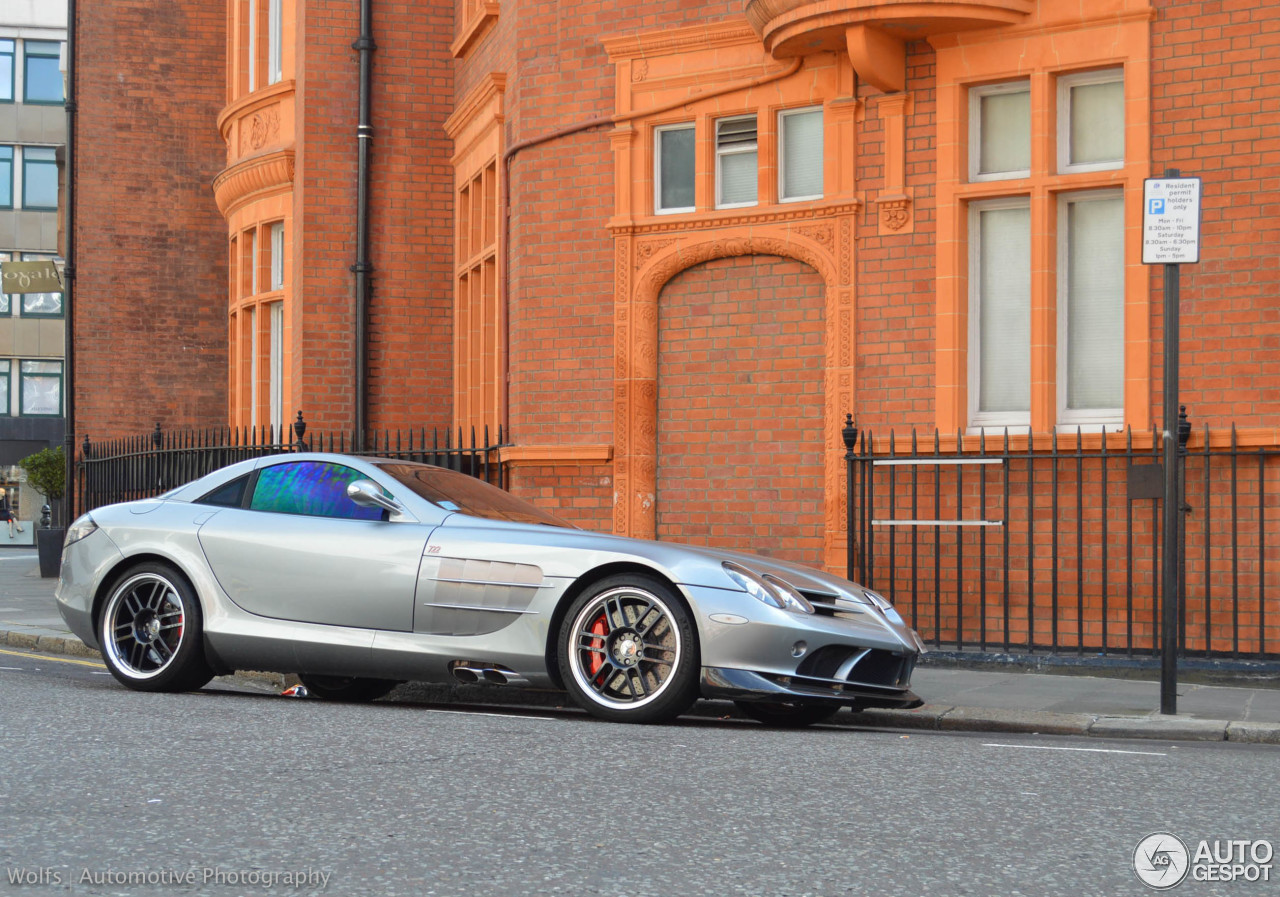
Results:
1170 237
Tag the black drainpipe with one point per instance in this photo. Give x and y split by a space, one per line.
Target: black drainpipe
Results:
363 268
69 270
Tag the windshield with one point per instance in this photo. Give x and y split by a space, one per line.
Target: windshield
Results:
458 492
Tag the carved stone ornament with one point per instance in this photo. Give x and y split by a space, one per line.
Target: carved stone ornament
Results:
667 265
845 250
822 234
646 250
895 213
262 129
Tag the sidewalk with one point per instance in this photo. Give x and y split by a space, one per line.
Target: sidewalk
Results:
956 699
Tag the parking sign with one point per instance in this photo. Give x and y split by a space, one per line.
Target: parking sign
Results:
1170 221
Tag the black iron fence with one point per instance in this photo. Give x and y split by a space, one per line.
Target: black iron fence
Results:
145 466
1052 544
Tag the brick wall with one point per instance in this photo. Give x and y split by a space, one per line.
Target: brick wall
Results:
562 293
325 203
411 217
1215 85
580 494
740 399
562 193
151 284
895 273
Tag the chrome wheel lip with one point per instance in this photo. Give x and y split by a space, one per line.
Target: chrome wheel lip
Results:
145 622
584 619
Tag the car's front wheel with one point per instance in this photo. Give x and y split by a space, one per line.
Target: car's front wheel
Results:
346 688
628 651
151 631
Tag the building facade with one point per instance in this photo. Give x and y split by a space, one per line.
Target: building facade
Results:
668 246
32 340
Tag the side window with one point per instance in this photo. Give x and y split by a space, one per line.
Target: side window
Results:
313 488
229 496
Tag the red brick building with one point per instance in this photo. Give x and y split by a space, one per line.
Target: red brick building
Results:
669 245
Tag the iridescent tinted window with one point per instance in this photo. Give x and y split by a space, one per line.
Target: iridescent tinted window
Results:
314 488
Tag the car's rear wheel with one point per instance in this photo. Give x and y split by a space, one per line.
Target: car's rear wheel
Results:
628 651
151 631
346 688
787 715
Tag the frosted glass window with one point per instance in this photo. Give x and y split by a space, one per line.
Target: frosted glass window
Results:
1091 303
40 304
1002 299
41 388
276 363
1091 120
736 162
277 256
274 39
676 166
1000 131
252 314
251 50
801 163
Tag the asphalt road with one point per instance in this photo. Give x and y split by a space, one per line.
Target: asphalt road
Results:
232 784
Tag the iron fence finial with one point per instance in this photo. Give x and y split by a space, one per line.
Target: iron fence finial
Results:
300 430
849 433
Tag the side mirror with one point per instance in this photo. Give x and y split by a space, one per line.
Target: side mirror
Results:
368 494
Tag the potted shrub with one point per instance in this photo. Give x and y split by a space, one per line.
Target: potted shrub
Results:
47 474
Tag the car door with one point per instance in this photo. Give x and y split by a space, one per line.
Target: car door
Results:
300 549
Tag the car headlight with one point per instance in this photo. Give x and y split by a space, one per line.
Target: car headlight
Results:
84 526
768 589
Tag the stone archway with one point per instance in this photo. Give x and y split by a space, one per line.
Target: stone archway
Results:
644 262
740 407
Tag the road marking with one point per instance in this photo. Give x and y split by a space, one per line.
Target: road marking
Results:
19 669
1042 747
83 663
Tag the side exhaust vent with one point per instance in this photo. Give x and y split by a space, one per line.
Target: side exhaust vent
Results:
479 672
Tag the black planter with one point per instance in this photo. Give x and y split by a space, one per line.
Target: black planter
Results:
49 547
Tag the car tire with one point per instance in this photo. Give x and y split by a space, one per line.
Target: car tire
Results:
151 631
787 715
346 688
628 651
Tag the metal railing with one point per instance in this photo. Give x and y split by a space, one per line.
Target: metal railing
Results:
1056 547
137 467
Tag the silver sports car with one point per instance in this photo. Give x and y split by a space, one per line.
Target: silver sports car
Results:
359 573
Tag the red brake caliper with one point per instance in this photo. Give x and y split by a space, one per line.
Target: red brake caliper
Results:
597 628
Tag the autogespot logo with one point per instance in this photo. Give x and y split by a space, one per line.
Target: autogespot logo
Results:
1161 861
